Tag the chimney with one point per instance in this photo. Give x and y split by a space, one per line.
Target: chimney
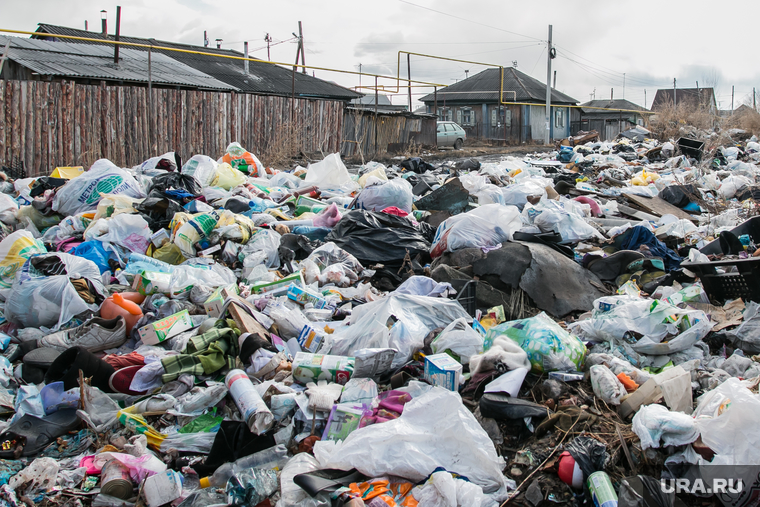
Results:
245 52
104 22
219 43
612 93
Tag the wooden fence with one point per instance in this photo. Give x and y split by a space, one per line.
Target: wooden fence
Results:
394 130
50 124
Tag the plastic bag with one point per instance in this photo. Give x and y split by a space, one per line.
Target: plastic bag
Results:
186 276
549 346
243 161
482 227
438 431
518 193
15 249
443 490
227 177
291 494
125 230
48 302
606 385
653 423
202 168
84 192
731 185
459 338
397 192
93 251
263 240
726 418
100 412
331 173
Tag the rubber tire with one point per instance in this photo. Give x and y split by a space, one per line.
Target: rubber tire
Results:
458 144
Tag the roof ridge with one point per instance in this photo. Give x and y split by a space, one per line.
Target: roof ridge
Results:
519 81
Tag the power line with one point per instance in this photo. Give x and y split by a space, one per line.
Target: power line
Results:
470 21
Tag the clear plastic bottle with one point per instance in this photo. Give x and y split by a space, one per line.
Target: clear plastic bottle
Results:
267 459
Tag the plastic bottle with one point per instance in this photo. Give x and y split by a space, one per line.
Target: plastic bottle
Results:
268 459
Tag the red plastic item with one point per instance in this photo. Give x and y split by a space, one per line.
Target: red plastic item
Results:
628 382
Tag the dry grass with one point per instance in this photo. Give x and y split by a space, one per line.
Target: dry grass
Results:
286 145
746 120
669 121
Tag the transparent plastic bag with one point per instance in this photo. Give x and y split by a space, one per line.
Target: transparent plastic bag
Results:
202 168
227 177
461 339
48 302
653 423
331 172
485 226
606 385
129 231
265 240
397 192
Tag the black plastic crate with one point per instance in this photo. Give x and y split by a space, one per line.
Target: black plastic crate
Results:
751 227
691 147
466 290
742 282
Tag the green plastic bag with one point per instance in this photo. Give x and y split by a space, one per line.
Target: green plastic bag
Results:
204 423
549 346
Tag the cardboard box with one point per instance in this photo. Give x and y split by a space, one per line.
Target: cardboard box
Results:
302 297
159 238
314 367
443 370
278 288
673 384
163 329
215 301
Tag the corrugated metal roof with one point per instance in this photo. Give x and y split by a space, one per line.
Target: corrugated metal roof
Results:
484 87
49 58
610 104
263 78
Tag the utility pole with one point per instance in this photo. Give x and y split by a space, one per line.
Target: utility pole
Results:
245 52
467 73
268 40
409 76
623 85
547 135
554 85
360 76
205 39
116 38
732 100
645 98
674 93
300 45
754 102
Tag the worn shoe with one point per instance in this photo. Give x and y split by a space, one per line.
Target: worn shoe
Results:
94 335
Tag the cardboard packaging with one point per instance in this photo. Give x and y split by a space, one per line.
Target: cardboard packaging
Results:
215 301
163 329
443 370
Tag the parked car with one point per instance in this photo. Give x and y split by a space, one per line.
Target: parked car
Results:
451 134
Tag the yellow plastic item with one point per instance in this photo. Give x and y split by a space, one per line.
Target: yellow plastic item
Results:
137 424
645 178
67 173
227 177
377 173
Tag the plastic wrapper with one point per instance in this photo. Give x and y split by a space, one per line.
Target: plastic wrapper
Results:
263 240
459 338
483 227
250 487
549 346
202 168
654 423
438 432
606 385
397 192
329 173
84 192
196 443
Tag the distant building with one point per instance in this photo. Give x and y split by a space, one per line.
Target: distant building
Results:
691 98
609 117
383 103
474 104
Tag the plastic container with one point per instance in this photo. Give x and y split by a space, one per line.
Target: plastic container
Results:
743 283
602 492
466 290
255 412
691 147
750 228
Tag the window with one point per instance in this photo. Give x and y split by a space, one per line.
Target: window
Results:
468 117
559 118
459 116
494 117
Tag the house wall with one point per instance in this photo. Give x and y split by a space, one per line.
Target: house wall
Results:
538 122
50 124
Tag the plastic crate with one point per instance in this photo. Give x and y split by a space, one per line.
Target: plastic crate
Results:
743 282
466 290
750 227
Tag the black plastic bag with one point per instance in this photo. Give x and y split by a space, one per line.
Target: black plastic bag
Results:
233 441
469 164
645 491
590 454
678 195
158 212
178 181
416 165
378 237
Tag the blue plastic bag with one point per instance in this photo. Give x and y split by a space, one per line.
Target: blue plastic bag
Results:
94 251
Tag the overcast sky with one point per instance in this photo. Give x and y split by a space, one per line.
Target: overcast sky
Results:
596 41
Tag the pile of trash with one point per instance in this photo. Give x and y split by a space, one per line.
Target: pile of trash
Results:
573 327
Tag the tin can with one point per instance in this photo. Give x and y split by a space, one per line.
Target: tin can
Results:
602 492
115 480
255 412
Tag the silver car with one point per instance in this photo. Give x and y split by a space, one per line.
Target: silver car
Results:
451 134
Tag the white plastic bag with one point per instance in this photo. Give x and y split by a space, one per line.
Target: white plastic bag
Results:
84 192
435 430
653 423
486 226
731 185
518 193
397 192
48 302
263 240
202 168
129 231
443 490
606 385
330 173
460 338
186 276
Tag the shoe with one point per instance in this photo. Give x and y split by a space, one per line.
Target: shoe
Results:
66 369
29 435
651 264
122 379
94 335
612 266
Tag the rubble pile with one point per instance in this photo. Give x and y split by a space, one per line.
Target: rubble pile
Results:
570 327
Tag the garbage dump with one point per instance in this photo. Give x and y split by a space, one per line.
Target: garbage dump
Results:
577 326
